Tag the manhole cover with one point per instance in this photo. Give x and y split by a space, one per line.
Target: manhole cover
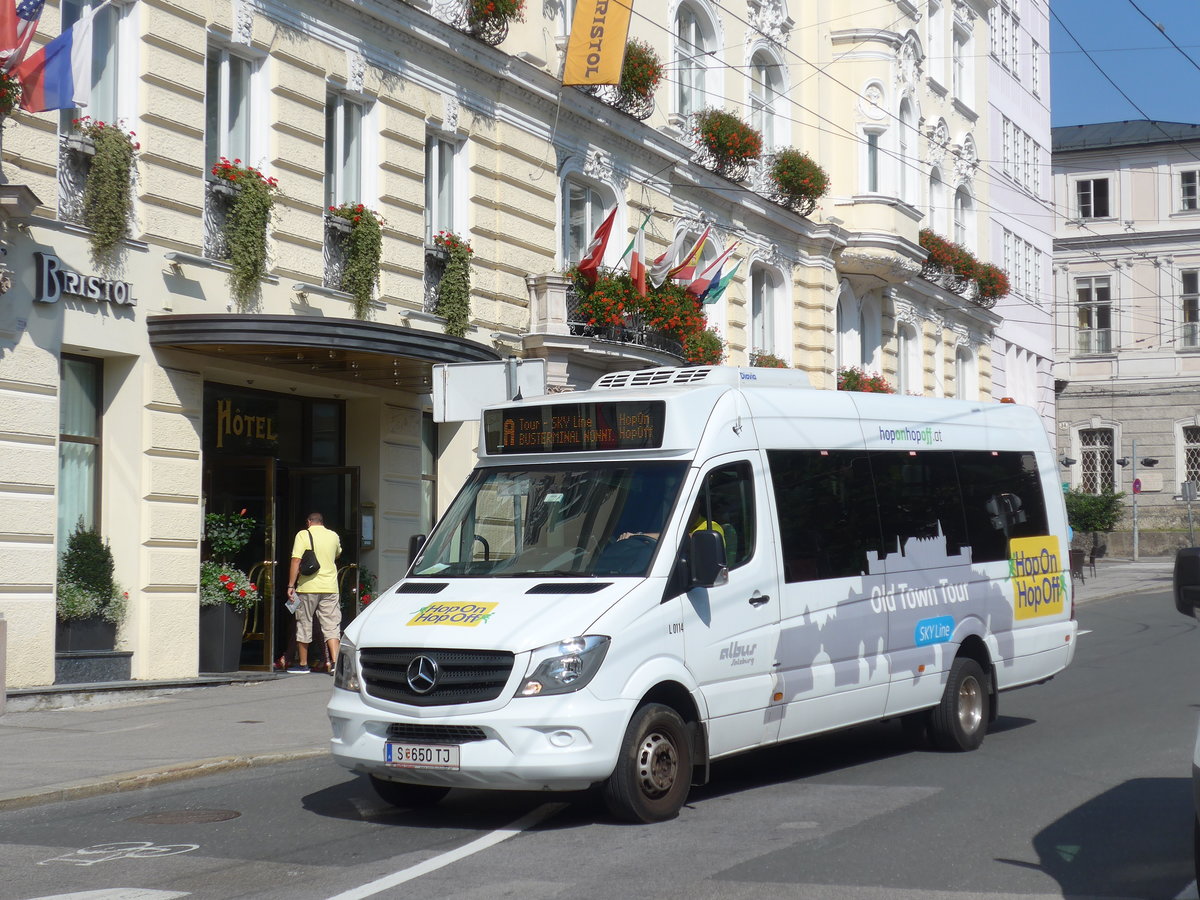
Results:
185 816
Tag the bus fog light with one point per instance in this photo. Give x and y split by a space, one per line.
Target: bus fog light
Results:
562 738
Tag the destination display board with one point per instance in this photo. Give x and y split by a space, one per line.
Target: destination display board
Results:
575 427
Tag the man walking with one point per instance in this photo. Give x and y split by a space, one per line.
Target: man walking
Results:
316 593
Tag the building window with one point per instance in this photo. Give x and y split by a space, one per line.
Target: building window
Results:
872 162
763 289
1191 454
79 405
961 82
105 101
966 386
343 150
1091 198
905 136
937 201
937 42
691 50
583 211
1035 72
908 360
429 457
229 107
1190 306
963 213
1096 449
440 185
766 86
1188 190
1093 298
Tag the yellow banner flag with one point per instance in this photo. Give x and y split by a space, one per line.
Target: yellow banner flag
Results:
596 49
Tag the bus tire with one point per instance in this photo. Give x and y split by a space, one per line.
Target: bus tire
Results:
654 768
408 796
959 721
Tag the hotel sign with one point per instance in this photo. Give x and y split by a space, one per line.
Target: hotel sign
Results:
54 280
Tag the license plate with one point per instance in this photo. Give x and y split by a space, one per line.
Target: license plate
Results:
421 756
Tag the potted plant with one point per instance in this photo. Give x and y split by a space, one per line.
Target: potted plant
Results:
992 282
726 144
226 592
357 593
704 348
488 19
761 359
89 604
245 228
799 182
853 378
363 248
454 288
108 189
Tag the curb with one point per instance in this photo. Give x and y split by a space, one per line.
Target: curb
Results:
143 778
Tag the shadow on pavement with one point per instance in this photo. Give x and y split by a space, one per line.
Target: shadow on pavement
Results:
1132 841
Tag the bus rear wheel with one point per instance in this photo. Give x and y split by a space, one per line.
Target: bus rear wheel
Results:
654 769
959 722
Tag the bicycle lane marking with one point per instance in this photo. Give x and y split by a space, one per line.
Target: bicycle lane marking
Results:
527 821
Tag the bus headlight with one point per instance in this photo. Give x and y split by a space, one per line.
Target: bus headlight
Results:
565 666
346 674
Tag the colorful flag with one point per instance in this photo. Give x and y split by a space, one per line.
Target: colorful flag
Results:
711 273
661 266
59 76
25 17
637 262
717 288
686 270
596 48
590 264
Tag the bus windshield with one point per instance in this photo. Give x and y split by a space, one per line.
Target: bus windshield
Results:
572 520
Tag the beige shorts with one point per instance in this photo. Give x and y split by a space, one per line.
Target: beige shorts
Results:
329 614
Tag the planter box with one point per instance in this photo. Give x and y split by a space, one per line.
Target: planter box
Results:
91 668
221 629
84 635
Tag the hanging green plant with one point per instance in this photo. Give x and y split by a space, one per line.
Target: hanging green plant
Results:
454 289
246 227
10 94
108 190
364 246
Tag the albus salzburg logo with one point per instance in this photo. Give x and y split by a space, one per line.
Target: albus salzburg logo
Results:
54 280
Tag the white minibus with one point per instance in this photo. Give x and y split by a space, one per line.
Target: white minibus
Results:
678 565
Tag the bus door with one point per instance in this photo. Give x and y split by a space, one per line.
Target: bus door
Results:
730 630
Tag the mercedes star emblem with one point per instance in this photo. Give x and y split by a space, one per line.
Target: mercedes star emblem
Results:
422 675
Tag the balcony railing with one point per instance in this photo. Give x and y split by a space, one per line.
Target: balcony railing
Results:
75 152
1093 340
337 245
218 201
435 267
634 331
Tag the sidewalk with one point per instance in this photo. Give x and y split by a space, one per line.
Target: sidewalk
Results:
1124 576
81 740
118 739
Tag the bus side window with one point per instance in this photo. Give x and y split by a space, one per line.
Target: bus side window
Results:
1002 500
828 522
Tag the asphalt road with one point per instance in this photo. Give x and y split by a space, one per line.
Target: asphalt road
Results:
1080 790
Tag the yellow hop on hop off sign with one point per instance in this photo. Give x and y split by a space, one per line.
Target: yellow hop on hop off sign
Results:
464 615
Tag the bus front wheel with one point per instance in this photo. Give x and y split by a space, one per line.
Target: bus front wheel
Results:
654 769
960 720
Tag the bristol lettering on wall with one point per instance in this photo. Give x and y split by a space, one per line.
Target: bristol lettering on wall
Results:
54 280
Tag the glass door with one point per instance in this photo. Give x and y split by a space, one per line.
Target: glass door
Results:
233 484
333 492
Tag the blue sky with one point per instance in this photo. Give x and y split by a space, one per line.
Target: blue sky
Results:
1161 83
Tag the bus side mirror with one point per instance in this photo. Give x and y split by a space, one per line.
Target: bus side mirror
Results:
706 556
1186 581
415 543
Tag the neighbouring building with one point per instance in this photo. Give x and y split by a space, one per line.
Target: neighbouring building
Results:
1019 171
1127 288
137 392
